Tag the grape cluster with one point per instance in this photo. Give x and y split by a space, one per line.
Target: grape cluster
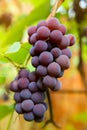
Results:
50 52
28 96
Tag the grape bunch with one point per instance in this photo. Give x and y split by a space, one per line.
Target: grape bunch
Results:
50 52
28 96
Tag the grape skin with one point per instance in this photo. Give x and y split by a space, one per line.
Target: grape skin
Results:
56 52
33 38
49 81
43 33
14 86
32 51
67 52
29 116
23 83
45 58
53 23
54 69
17 97
40 85
25 94
33 76
72 39
63 61
57 86
38 97
23 73
40 46
33 87
27 105
18 108
32 30
42 23
56 36
41 70
35 61
62 28
39 110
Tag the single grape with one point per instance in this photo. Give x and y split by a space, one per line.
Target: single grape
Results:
35 61
63 61
40 85
23 83
39 119
33 87
39 110
45 58
32 51
41 70
43 33
14 86
49 81
18 108
62 28
23 73
45 104
67 52
40 46
56 37
53 23
33 39
17 97
54 69
64 42
27 105
29 116
33 76
72 39
42 23
25 94
57 86
38 97
32 30
56 52
61 73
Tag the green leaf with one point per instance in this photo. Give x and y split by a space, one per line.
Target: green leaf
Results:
36 4
2 79
20 56
80 117
5 110
14 48
16 31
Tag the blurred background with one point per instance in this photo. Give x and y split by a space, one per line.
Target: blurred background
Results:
70 103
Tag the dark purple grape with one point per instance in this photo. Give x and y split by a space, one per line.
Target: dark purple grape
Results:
42 23
33 76
56 36
57 86
39 119
61 73
64 42
41 70
49 46
33 39
23 83
56 52
53 23
29 116
49 81
39 110
17 97
43 33
67 52
27 105
40 46
33 87
45 58
72 39
40 85
63 61
14 86
18 108
38 97
35 61
54 69
62 28
32 51
45 104
23 73
25 94
32 30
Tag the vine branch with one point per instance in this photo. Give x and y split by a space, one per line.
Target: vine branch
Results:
56 6
51 120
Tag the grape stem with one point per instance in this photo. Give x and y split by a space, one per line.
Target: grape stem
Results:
56 6
51 120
